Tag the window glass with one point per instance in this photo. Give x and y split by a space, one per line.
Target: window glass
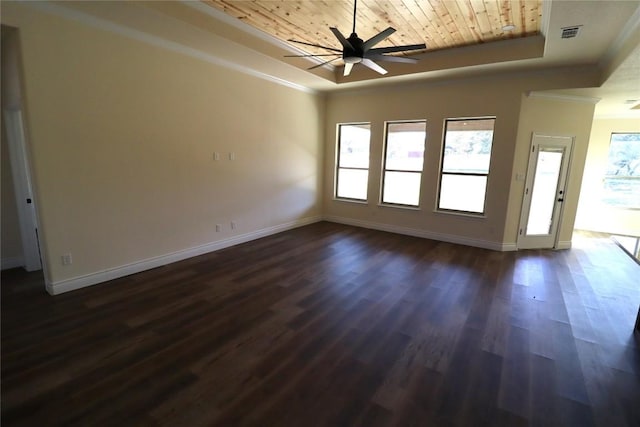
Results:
352 183
354 146
409 183
467 146
466 159
403 162
352 166
622 179
463 193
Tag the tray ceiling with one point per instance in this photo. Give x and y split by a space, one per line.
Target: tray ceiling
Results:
607 42
438 24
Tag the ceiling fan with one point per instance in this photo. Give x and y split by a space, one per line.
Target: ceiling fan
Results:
356 51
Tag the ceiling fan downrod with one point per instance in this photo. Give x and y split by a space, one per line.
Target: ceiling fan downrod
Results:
355 5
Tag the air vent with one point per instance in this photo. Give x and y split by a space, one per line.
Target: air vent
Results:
570 32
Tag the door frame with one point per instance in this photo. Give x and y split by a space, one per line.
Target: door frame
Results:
528 190
23 189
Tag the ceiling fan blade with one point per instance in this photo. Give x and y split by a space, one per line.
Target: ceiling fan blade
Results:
316 45
375 67
324 63
344 42
378 38
379 57
398 48
306 56
347 68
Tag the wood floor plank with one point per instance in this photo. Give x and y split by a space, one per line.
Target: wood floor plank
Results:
515 375
329 325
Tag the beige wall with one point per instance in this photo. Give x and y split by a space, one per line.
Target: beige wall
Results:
553 117
122 138
499 96
592 213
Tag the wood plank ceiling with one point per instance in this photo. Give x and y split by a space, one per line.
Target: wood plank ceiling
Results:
440 24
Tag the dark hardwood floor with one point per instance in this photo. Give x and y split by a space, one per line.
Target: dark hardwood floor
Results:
330 325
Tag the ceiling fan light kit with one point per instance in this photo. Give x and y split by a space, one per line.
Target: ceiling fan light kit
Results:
357 51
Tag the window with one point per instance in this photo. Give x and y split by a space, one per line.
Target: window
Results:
352 171
403 159
465 164
622 179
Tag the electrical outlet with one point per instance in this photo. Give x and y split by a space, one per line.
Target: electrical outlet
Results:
218 227
66 259
234 225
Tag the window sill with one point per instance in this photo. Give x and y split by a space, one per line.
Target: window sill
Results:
462 214
355 201
394 206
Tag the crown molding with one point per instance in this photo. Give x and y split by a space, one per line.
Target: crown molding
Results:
572 98
61 11
236 23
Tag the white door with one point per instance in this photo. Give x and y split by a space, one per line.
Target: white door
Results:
545 190
24 194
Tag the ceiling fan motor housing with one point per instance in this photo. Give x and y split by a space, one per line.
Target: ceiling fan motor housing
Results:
355 55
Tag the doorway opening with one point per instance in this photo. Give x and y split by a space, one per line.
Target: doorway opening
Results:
27 251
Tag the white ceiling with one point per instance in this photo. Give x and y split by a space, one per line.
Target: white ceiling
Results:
609 27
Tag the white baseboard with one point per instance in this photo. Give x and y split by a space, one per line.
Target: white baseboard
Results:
564 244
507 247
11 262
496 246
67 285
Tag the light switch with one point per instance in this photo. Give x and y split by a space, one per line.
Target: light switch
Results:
216 156
232 156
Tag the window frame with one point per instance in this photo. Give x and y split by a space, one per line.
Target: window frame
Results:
338 167
384 164
624 177
441 172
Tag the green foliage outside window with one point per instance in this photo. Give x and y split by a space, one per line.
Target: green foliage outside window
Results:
622 179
